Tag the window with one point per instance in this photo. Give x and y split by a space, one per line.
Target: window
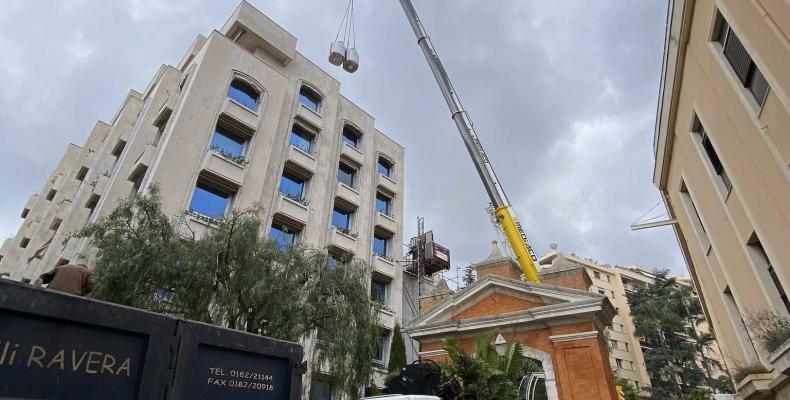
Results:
384 167
601 291
624 364
160 125
25 212
209 201
320 390
346 174
227 143
92 201
282 234
301 138
383 204
24 242
137 183
381 349
764 262
244 94
309 98
597 274
713 158
350 136
292 186
380 243
341 219
55 224
378 291
625 346
82 173
740 61
51 194
91 205
691 209
116 152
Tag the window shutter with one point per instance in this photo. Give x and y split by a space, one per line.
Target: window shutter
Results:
738 57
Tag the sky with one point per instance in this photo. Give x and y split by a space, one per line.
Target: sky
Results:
562 94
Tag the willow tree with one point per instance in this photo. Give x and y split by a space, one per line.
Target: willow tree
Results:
233 277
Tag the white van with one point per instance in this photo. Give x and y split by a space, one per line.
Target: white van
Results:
402 397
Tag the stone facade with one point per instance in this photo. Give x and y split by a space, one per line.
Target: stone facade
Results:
164 136
723 168
561 327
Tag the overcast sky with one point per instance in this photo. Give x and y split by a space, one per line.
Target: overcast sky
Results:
562 93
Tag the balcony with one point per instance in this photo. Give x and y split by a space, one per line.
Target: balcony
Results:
386 319
343 241
352 154
386 184
100 184
386 222
198 225
143 162
309 116
383 267
292 210
302 160
228 171
347 195
242 117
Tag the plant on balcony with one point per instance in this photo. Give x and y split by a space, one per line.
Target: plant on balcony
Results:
771 329
236 159
742 371
202 217
234 278
301 200
384 256
348 232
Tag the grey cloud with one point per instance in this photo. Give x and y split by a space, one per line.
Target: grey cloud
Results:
562 93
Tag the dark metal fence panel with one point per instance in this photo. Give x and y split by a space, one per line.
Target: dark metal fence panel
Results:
58 346
215 363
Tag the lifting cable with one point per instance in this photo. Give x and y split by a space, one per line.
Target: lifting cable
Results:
343 51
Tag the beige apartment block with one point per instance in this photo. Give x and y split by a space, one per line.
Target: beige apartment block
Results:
722 163
242 120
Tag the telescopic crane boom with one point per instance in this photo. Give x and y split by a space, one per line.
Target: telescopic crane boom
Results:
505 216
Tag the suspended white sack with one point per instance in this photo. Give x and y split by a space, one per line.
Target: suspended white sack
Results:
351 62
337 52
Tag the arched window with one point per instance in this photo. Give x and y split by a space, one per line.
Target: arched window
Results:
384 167
243 93
310 98
351 136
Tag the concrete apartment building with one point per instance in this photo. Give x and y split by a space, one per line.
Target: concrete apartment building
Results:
243 119
722 164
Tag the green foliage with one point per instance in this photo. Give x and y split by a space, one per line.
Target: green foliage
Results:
487 375
742 371
665 315
397 352
771 329
229 156
234 278
629 391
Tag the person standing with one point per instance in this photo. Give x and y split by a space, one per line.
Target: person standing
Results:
75 279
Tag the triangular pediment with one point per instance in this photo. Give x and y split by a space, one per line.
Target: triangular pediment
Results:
495 295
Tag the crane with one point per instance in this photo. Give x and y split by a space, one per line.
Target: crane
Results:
505 216
341 54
